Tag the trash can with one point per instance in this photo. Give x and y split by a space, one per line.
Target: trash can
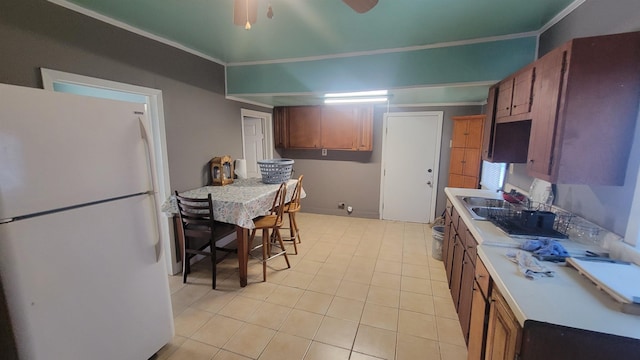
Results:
436 244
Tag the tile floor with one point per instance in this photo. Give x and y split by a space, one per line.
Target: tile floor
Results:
358 289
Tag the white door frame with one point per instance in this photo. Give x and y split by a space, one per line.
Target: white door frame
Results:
267 126
436 165
156 118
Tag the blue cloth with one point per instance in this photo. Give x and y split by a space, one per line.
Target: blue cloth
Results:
545 247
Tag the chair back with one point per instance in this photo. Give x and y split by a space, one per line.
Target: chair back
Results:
196 216
295 198
278 203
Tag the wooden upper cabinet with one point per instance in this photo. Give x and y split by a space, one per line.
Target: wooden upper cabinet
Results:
324 127
515 96
571 112
582 134
303 127
339 127
466 147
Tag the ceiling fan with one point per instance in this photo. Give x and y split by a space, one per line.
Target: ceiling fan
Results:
245 12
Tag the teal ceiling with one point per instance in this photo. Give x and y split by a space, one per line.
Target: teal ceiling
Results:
311 31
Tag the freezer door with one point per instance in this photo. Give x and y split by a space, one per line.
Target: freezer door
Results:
60 150
85 283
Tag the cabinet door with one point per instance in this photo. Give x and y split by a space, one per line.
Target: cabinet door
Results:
279 127
466 294
503 103
339 127
522 90
545 111
475 129
489 124
460 133
446 244
471 162
456 270
477 324
503 333
365 132
303 125
456 163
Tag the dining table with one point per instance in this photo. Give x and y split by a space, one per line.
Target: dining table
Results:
238 203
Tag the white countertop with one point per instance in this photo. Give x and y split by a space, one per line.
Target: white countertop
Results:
567 299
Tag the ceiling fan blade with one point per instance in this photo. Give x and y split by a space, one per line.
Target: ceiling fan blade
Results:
361 6
240 13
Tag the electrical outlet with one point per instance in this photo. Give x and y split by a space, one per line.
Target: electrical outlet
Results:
324 152
341 205
349 209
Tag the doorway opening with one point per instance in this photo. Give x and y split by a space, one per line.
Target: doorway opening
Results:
257 139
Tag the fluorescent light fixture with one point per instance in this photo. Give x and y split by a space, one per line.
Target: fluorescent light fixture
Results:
355 100
357 94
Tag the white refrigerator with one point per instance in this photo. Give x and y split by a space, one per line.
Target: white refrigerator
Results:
80 259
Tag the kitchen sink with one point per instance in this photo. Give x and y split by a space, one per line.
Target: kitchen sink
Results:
482 201
480 207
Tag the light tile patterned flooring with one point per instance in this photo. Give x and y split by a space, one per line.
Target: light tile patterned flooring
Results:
358 289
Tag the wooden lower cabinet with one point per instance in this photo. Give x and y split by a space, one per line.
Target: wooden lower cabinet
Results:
489 325
477 324
503 330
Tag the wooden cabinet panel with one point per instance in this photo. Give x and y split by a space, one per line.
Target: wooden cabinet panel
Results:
523 91
329 127
504 332
365 128
477 325
303 127
541 144
479 313
597 104
466 294
456 271
339 127
515 95
456 163
280 137
465 159
489 124
505 93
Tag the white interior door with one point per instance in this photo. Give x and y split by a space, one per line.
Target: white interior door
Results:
410 162
257 140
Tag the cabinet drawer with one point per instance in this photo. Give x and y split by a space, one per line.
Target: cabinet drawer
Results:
482 277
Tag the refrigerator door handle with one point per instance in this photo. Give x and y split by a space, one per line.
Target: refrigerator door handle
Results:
150 157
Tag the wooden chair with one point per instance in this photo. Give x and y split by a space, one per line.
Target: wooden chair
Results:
273 222
200 232
291 209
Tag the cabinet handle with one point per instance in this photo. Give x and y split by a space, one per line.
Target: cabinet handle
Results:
531 161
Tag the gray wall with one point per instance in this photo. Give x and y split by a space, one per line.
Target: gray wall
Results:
200 122
608 206
354 177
